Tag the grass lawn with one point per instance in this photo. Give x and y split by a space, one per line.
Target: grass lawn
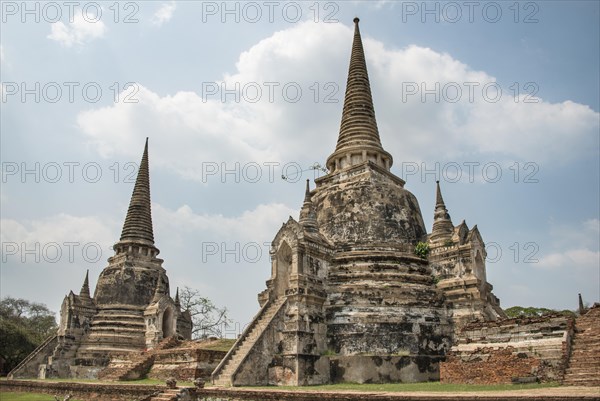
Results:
427 386
222 344
28 397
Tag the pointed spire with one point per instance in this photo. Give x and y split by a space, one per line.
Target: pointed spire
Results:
160 289
308 216
358 139
442 224
177 302
85 288
138 223
307 197
438 195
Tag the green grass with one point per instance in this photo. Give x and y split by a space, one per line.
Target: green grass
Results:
399 387
222 344
28 397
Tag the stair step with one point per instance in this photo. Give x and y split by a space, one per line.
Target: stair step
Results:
584 362
244 347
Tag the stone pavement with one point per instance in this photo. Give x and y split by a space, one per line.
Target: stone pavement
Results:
550 393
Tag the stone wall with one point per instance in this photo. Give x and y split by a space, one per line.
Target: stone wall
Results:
113 392
231 394
185 364
384 369
84 391
489 366
498 352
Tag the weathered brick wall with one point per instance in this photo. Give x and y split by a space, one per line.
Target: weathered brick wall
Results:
497 352
83 391
488 366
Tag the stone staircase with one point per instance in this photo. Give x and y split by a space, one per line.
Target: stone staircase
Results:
28 367
226 370
584 364
64 354
138 365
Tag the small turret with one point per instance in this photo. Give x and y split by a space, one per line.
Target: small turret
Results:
442 224
160 289
308 215
177 302
85 288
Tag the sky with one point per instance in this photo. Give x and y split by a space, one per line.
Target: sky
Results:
241 102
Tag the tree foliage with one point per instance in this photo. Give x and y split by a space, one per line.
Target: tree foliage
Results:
208 320
23 326
530 311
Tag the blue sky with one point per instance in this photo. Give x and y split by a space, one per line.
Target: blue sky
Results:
503 94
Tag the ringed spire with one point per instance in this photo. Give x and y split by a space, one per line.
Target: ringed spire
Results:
358 139
138 223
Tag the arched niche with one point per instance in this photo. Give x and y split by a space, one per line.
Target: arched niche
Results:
283 268
168 326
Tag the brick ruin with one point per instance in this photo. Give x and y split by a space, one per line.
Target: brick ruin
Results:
521 349
131 309
550 348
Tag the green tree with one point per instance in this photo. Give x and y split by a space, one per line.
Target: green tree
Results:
23 326
531 311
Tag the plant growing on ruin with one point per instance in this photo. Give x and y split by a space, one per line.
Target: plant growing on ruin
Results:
422 250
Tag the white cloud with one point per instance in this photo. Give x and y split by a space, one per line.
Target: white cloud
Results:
259 224
592 226
574 259
175 226
384 3
215 131
164 13
59 229
584 234
79 32
577 248
279 130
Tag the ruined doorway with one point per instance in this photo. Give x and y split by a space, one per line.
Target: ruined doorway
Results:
167 323
283 269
